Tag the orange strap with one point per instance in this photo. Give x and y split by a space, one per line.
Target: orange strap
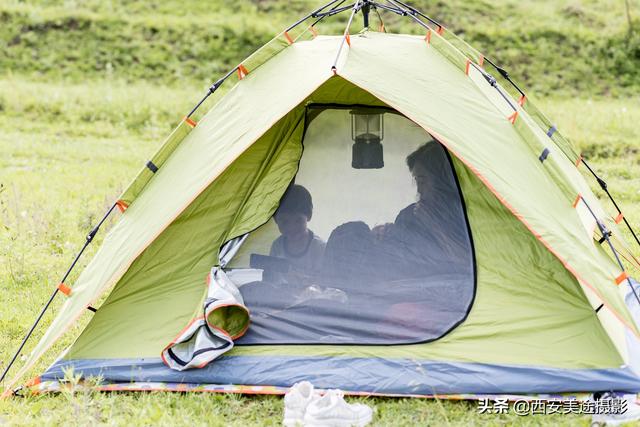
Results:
348 38
575 203
512 118
33 382
619 218
242 72
440 29
314 31
481 60
288 37
579 160
64 289
381 28
122 205
466 69
190 122
522 100
622 277
428 36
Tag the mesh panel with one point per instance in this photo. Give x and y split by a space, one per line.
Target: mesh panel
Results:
369 245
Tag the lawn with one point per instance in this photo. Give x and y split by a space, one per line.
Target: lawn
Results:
73 133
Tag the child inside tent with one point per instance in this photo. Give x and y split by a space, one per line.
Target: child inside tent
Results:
297 244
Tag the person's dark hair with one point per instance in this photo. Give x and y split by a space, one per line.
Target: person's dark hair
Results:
296 199
424 154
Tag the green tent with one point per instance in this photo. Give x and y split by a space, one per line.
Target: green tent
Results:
462 250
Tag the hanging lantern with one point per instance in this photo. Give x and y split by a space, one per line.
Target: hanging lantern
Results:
367 132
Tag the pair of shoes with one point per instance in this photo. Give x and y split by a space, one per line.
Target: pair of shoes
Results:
305 406
630 410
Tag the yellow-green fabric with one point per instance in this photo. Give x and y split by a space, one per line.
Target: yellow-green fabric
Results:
156 251
452 43
518 315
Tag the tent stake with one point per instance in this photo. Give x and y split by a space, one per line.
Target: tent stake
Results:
88 240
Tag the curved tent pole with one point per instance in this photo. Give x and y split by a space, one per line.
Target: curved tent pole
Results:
316 13
606 237
60 288
605 188
412 11
400 10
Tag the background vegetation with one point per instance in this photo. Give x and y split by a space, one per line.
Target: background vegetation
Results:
89 88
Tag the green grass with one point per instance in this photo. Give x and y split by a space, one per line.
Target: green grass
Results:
89 88
567 46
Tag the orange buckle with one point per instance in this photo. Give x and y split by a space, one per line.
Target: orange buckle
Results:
440 29
619 218
575 203
522 100
622 277
579 160
466 69
64 289
348 39
122 205
189 121
242 72
481 60
427 38
512 118
288 37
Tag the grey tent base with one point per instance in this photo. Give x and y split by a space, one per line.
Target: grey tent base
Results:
391 376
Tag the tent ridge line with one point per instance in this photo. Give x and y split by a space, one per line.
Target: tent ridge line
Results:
517 214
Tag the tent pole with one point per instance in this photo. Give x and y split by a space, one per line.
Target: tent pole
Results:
605 235
605 188
412 11
366 8
333 11
313 14
221 80
88 240
356 6
488 77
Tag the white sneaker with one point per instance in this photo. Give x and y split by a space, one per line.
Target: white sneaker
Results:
332 411
631 413
299 396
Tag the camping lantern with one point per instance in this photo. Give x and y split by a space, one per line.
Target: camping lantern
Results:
367 132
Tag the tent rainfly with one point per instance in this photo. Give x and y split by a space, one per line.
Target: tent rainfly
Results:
373 212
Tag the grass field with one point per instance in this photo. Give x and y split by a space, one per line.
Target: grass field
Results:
74 130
